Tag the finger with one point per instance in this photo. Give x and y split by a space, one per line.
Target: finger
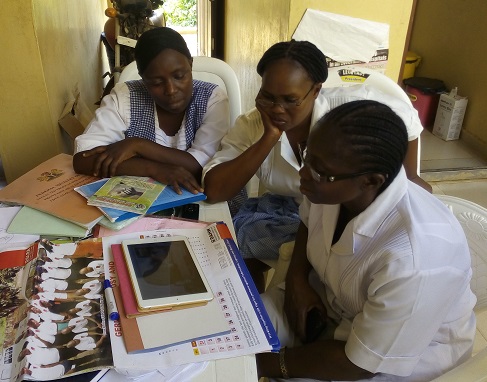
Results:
96 150
177 189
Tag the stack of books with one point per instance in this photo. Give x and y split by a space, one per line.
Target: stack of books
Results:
54 199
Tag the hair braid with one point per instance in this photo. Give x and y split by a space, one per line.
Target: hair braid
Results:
303 52
374 133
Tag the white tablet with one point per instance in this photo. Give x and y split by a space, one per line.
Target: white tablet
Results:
165 273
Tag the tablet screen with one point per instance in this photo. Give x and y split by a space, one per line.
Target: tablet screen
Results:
165 269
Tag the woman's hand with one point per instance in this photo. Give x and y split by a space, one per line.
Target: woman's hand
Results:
299 299
176 176
269 127
109 157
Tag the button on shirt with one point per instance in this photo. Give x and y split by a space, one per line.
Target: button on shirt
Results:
397 282
279 171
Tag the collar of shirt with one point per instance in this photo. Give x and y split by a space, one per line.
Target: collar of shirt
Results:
368 222
319 109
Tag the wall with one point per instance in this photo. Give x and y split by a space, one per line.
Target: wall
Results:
450 37
252 28
49 48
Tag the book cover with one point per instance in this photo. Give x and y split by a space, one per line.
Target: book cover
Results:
48 301
31 221
49 188
168 198
188 324
127 193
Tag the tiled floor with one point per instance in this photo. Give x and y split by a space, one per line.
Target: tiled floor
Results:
452 161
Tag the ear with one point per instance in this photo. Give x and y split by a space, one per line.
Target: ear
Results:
317 89
373 182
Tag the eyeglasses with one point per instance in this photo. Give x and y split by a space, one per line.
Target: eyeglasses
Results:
323 178
267 103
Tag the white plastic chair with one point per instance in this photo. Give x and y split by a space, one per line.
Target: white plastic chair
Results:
473 219
207 69
375 79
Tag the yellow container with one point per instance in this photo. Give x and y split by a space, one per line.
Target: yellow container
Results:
412 62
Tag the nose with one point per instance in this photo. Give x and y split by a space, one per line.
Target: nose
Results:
170 88
277 107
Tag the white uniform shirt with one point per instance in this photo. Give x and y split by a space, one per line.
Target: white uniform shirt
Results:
112 119
279 171
397 281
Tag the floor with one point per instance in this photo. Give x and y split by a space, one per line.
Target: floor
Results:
454 169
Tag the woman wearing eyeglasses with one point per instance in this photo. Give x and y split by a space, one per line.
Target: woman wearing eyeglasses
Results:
378 287
265 142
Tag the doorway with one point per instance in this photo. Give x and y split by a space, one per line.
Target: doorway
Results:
200 22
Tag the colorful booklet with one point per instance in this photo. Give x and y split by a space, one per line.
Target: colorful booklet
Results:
168 198
127 193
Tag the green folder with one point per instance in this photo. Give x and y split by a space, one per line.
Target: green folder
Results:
34 222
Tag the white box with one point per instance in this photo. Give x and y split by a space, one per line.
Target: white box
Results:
449 116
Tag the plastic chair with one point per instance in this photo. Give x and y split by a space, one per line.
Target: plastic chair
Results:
473 219
377 80
207 69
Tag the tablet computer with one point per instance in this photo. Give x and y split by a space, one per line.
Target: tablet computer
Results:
165 273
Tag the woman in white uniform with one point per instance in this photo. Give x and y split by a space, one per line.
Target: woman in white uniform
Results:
378 287
265 142
166 125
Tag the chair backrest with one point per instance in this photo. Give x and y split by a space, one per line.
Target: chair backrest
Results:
473 219
207 69
366 76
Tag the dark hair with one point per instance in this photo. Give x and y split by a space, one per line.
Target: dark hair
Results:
303 52
154 41
374 133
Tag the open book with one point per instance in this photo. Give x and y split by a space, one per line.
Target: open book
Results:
53 313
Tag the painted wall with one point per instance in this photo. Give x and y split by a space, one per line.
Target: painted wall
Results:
49 48
450 37
252 28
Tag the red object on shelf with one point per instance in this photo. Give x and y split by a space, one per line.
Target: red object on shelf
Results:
425 95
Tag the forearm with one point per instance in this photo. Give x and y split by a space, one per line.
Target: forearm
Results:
299 263
226 179
322 360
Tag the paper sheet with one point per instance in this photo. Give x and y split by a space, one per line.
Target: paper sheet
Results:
342 38
251 330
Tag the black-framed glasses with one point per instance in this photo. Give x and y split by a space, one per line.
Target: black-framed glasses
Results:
267 103
324 178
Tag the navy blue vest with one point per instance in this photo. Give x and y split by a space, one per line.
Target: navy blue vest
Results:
142 122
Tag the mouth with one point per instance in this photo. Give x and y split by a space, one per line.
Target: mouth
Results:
278 121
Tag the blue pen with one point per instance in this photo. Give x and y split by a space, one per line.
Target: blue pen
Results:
110 301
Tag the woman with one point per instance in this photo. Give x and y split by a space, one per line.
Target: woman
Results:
378 259
265 142
166 125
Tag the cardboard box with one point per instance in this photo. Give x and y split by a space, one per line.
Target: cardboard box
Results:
449 116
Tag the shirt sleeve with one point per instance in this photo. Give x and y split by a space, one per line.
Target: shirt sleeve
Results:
109 124
215 124
403 314
247 130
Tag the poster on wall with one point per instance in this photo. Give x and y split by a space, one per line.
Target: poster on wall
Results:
352 46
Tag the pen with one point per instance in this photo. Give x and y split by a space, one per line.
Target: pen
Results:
110 301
